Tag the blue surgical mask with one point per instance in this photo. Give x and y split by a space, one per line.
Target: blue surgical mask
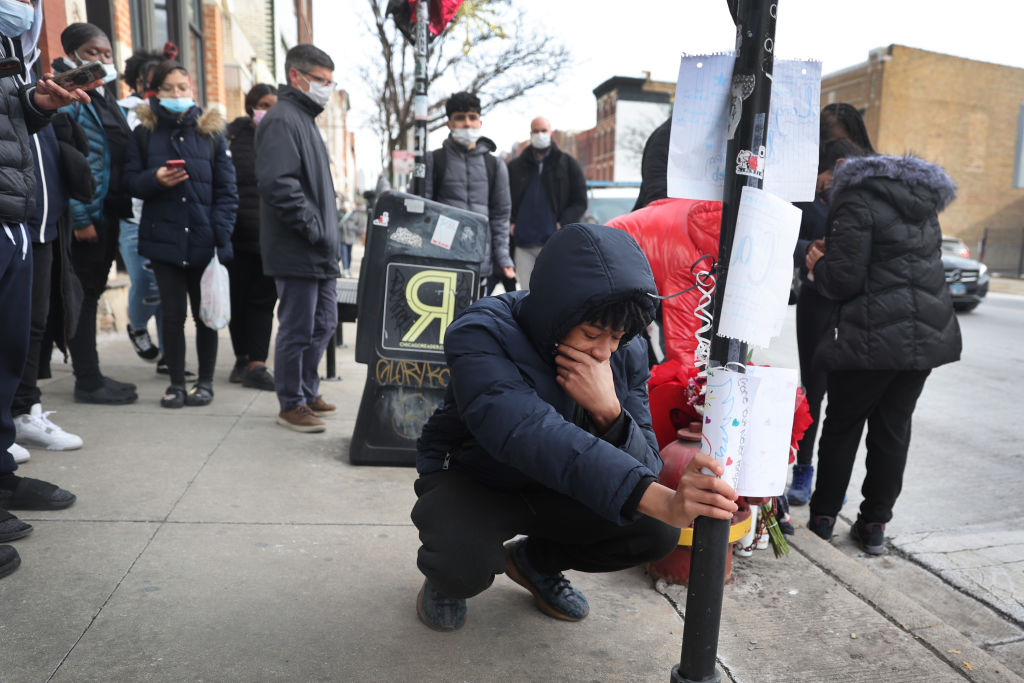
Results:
111 73
15 17
176 105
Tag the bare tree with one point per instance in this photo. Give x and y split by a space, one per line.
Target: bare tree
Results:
499 59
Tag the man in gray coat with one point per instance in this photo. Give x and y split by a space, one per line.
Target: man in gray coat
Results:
464 173
299 235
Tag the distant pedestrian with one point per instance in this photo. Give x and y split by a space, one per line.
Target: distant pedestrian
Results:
351 228
188 214
299 234
464 173
253 292
548 191
894 322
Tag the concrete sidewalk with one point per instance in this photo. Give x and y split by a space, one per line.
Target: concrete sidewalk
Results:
212 544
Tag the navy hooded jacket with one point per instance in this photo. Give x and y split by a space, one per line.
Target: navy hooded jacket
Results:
506 422
184 224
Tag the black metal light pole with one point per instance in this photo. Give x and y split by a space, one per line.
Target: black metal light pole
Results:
751 93
419 174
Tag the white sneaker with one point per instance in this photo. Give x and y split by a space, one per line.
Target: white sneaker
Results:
36 431
19 453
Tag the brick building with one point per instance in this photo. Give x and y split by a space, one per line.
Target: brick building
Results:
959 113
628 109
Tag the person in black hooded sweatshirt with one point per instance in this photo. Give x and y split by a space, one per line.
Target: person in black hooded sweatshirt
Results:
545 430
893 323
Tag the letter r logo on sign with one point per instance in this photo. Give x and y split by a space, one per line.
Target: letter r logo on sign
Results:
443 312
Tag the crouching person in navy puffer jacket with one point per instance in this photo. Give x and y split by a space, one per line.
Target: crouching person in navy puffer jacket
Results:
187 215
545 431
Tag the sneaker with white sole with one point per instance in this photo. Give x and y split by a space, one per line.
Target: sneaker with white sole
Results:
20 454
35 430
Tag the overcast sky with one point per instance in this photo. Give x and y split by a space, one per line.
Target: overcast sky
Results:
606 40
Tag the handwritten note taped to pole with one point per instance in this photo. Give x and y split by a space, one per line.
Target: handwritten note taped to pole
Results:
769 432
703 118
728 406
748 425
760 268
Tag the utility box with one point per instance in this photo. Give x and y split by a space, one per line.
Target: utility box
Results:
421 269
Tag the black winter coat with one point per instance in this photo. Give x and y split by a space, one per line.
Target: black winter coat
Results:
563 180
298 208
505 420
242 139
19 117
882 263
184 224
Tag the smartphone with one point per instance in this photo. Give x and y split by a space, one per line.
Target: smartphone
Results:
175 163
83 75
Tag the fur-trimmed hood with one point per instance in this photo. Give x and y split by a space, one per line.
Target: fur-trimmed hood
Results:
208 123
919 176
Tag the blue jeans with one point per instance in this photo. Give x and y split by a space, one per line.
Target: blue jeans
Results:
143 296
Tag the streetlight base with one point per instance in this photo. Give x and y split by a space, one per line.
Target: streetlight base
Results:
677 677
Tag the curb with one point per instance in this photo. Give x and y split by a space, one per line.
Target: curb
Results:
943 640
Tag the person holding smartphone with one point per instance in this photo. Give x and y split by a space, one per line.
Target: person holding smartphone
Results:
178 164
96 224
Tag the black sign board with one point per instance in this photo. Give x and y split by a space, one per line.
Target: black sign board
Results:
420 270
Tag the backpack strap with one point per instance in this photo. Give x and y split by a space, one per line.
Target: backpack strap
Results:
439 163
491 162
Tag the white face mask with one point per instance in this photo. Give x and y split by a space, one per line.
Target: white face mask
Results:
540 140
466 137
318 92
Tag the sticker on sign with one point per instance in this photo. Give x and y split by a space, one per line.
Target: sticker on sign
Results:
444 232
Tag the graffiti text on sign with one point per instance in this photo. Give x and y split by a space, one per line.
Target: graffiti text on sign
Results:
409 373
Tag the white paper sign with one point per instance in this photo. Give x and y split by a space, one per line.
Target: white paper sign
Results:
727 411
701 128
769 432
444 232
760 268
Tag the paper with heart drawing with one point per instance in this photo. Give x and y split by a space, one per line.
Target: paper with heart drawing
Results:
770 431
728 407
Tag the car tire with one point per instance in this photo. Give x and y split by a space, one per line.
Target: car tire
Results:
966 308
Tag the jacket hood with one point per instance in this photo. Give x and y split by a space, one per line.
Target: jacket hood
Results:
207 123
929 186
580 267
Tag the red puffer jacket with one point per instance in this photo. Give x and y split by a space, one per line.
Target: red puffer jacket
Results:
673 234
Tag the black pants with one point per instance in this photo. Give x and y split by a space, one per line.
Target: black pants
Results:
91 261
253 296
15 297
463 525
28 393
885 399
179 286
813 312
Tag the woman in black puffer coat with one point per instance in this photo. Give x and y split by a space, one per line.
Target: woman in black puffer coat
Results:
253 293
893 323
187 217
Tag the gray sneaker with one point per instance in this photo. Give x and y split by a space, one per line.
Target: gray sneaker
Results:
554 594
438 611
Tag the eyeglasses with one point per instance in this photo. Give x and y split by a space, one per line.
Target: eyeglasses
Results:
472 117
318 80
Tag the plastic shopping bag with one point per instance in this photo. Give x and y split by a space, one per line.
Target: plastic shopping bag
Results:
215 308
